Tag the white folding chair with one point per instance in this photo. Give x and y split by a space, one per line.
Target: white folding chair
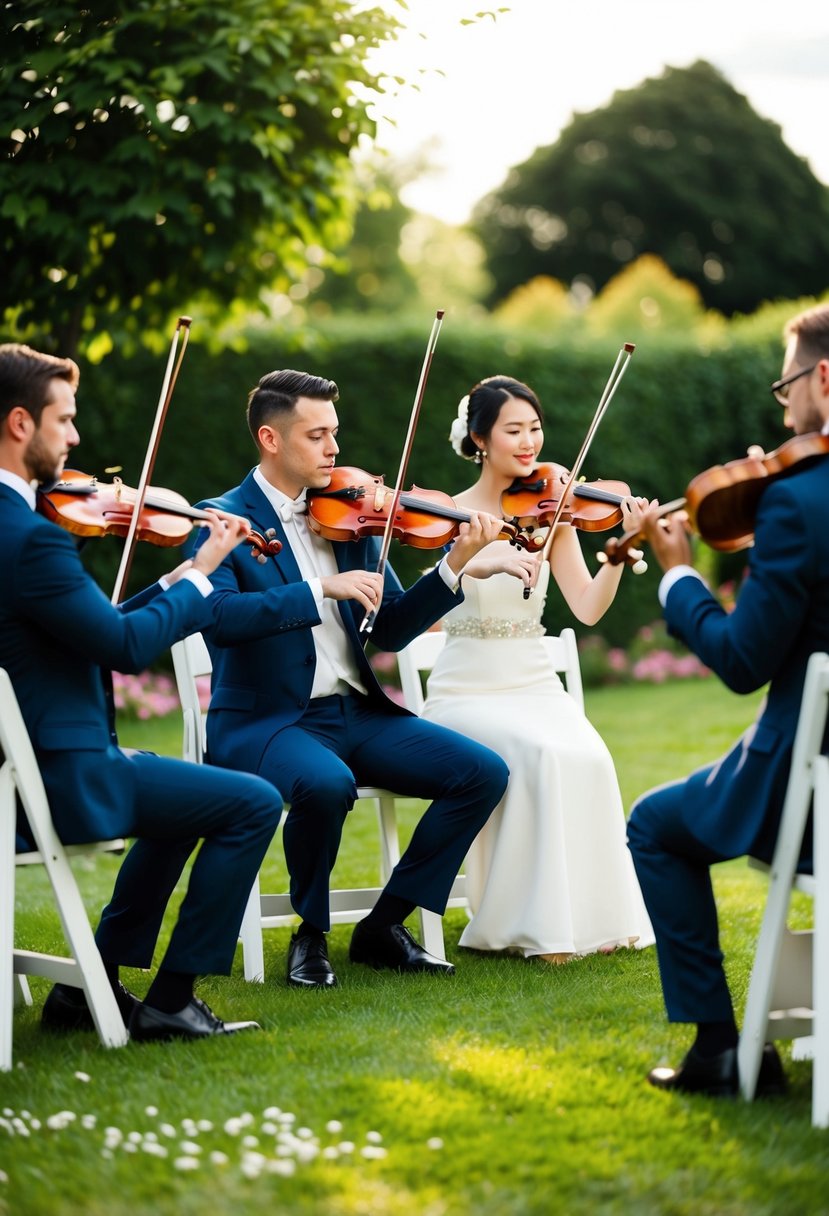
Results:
788 996
20 777
191 661
418 658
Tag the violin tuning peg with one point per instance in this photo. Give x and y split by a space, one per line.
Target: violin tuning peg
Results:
639 567
755 452
260 557
601 557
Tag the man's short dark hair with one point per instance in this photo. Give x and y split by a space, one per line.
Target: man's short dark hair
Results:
277 393
25 376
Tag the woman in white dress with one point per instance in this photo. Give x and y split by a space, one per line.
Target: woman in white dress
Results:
550 875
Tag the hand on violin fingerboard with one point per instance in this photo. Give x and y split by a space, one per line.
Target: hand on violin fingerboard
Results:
481 530
226 532
668 538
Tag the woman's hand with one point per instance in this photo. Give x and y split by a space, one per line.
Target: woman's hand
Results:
517 562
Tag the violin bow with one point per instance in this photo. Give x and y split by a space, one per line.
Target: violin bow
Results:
179 342
367 623
613 381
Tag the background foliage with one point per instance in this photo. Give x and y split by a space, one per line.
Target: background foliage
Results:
160 152
680 166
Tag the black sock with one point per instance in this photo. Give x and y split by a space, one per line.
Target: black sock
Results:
306 929
713 1038
389 910
170 991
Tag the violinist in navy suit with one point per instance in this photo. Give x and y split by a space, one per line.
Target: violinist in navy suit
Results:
57 632
733 807
295 700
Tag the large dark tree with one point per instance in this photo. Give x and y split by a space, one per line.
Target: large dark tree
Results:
156 153
681 167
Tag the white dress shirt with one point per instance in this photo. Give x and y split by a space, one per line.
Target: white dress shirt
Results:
336 669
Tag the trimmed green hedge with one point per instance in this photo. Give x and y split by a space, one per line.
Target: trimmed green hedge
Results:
679 409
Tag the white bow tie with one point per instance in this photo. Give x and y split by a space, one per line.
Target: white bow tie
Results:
288 510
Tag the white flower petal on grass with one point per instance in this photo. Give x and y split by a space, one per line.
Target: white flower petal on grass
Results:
135 1137
82 1076
272 1112
269 1129
333 1126
219 1158
204 1125
87 1121
233 1126
154 1148
3 1176
434 1142
152 1111
373 1152
287 1117
186 1163
250 1141
331 1153
374 1138
106 1153
168 1130
304 1133
189 1148
56 1122
129 1147
286 1167
346 1146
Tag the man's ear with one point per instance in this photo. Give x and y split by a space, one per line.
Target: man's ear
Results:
269 440
20 422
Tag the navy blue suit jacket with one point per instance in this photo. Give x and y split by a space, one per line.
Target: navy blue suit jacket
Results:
261 639
57 630
781 618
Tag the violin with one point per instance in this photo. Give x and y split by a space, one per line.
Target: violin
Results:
356 504
87 507
533 501
722 501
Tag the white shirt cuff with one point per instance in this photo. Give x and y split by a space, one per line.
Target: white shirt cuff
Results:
452 580
673 576
316 590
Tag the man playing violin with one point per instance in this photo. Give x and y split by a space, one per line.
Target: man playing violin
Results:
57 632
295 699
733 807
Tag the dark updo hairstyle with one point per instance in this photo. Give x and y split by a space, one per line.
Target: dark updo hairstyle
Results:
485 402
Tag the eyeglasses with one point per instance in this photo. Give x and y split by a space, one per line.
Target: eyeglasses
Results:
780 388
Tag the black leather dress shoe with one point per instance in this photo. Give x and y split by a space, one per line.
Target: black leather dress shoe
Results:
308 965
195 1021
718 1075
65 1008
393 947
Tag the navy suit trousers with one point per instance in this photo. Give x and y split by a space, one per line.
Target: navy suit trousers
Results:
673 869
342 742
176 804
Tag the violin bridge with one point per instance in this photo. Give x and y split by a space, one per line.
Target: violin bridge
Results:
380 493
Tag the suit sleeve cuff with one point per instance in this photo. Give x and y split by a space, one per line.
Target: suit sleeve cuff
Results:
673 576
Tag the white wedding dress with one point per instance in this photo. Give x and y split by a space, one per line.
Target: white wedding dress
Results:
550 872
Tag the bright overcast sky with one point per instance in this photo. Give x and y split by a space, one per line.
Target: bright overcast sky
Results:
511 85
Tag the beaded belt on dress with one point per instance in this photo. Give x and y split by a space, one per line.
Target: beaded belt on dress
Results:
492 627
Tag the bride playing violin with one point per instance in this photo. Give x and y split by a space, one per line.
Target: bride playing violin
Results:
549 875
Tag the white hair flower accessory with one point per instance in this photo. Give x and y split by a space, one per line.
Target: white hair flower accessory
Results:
460 426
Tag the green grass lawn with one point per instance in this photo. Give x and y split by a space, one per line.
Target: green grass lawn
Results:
513 1087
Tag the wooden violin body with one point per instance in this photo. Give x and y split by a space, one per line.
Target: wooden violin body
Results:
87 507
356 504
533 501
721 502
